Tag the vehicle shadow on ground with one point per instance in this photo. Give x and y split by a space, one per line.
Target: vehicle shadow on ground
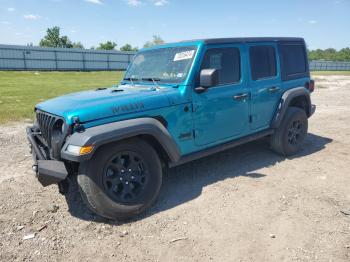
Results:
185 183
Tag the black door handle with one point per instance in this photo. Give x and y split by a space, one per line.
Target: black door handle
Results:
240 96
274 89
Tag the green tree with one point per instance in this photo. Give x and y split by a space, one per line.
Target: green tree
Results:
315 54
78 45
53 38
128 47
344 54
157 40
330 54
65 42
107 46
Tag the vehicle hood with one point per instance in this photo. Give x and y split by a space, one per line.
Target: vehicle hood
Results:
102 103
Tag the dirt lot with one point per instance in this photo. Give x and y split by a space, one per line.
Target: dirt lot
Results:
245 204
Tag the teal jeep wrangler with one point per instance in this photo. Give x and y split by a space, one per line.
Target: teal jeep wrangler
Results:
177 102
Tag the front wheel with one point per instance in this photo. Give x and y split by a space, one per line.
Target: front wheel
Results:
121 180
289 136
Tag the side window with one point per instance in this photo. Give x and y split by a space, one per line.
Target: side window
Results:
262 62
227 61
293 58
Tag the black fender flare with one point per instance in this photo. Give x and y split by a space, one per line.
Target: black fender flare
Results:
116 131
286 98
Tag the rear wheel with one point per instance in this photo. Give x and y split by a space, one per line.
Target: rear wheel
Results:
289 136
122 179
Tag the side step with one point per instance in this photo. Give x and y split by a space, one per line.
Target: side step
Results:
221 147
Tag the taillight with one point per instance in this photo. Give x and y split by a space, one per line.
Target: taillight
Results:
310 85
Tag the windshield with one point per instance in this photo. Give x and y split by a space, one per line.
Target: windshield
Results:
167 65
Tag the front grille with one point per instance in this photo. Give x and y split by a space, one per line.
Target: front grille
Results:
46 122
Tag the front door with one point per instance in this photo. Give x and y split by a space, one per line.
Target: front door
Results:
222 112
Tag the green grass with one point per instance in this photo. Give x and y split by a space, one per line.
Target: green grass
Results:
20 91
345 73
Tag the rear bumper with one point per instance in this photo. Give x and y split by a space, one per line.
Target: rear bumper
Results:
312 110
48 171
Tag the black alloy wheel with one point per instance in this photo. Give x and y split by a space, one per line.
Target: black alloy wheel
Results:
125 177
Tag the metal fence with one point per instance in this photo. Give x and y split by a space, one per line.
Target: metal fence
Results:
329 66
61 59
14 57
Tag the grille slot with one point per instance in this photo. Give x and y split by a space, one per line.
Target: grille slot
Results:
45 122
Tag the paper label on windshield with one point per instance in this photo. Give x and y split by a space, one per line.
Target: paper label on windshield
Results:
184 55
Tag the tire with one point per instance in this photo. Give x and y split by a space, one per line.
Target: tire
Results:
289 136
110 189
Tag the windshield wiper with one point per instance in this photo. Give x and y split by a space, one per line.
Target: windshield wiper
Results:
153 79
131 79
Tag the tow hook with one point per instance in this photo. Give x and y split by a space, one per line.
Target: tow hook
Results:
35 168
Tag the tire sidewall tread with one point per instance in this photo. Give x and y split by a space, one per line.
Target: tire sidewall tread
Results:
91 187
279 139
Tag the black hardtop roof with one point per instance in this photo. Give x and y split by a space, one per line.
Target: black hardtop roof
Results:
248 40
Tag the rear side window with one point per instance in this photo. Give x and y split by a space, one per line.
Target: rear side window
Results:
227 61
293 60
262 62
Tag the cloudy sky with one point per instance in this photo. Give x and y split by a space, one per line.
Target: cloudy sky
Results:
323 23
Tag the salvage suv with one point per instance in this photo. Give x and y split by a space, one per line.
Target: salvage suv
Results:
177 102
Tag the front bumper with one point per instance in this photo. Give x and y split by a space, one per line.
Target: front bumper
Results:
48 171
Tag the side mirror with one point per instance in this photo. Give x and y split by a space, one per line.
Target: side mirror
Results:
208 78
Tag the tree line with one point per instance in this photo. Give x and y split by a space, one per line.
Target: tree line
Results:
330 54
53 38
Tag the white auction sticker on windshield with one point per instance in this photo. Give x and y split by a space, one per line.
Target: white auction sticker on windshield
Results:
184 55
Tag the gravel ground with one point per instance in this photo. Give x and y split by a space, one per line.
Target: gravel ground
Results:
244 204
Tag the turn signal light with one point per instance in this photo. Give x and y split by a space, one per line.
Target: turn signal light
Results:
85 150
79 150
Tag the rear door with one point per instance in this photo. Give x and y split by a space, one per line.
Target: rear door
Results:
222 112
265 83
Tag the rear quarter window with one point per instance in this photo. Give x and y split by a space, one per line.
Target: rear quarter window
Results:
293 61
